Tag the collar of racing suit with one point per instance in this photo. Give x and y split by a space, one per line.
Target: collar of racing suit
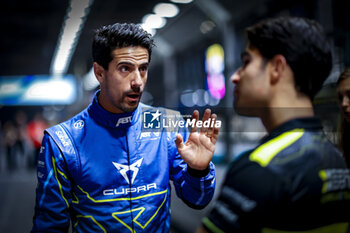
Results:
307 123
113 120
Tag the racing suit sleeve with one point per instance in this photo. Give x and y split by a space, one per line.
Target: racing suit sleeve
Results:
53 196
195 188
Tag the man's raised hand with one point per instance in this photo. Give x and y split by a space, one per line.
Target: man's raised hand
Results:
199 149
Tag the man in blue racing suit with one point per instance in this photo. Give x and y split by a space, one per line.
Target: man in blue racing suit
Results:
101 170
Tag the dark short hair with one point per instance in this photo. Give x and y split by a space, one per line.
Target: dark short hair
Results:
302 42
118 35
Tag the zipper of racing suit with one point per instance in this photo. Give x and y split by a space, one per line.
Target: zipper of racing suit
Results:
129 176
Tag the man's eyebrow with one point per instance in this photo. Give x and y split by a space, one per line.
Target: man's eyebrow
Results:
144 64
125 63
132 64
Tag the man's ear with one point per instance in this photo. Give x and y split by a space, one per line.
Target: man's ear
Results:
277 68
99 72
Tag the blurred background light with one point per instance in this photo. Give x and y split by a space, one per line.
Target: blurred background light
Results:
166 10
37 90
206 26
199 98
90 81
53 90
186 98
9 89
152 31
181 1
214 64
70 32
153 21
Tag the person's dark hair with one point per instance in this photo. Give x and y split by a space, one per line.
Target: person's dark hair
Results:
344 75
344 139
110 37
303 44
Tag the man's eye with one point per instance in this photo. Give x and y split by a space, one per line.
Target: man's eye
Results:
245 62
143 69
124 69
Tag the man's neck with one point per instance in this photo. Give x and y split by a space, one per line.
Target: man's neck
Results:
283 110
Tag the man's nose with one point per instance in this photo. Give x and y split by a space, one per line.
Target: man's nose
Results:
236 76
345 101
137 79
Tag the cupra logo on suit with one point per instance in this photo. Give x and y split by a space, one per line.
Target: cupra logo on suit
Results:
124 168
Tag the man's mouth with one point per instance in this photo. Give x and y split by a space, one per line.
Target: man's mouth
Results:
133 97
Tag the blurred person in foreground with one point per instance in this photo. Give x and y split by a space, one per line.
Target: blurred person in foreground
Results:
344 100
295 180
101 171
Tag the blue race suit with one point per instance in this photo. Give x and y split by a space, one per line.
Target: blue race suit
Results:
105 174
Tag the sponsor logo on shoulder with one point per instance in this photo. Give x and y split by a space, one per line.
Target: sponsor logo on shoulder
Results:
63 138
79 124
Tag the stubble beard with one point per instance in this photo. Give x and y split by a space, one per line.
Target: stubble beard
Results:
125 107
129 109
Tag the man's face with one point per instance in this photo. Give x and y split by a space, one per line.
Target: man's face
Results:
251 84
344 97
124 81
